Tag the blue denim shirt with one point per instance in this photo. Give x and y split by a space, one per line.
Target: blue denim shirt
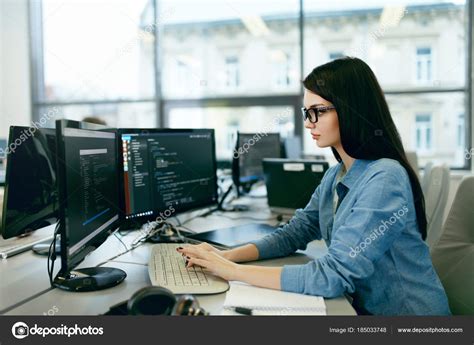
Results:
375 251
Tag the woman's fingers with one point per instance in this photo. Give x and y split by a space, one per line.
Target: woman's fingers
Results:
199 262
209 248
193 251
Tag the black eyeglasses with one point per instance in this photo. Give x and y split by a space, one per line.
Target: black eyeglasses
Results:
312 114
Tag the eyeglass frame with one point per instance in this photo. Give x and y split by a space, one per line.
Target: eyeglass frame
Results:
317 112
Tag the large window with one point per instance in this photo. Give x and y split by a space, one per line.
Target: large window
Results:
97 60
232 49
227 121
228 65
419 52
243 59
284 74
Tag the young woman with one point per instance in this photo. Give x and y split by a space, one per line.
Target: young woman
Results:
369 209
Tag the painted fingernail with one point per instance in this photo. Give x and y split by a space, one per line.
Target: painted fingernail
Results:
179 248
187 257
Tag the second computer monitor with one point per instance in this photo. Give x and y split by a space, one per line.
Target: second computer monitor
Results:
166 171
291 182
89 204
251 149
30 198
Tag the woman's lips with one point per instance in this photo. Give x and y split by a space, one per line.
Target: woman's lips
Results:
315 136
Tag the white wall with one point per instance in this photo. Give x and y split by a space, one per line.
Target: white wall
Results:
15 100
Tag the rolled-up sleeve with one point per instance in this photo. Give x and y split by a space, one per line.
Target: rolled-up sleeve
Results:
302 228
375 220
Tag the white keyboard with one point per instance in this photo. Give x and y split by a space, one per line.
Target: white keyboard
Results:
167 268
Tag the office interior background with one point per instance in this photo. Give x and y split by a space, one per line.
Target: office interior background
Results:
237 65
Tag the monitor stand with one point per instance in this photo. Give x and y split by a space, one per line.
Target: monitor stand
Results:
90 279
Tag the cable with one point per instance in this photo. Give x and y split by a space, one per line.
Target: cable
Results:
177 219
198 216
130 263
52 255
251 218
135 244
188 229
118 238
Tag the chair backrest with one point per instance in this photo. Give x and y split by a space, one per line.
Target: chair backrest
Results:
435 202
453 255
426 174
413 160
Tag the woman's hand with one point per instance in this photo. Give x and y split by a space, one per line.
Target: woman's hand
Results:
208 248
211 259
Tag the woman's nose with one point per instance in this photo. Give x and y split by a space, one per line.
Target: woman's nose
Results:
308 124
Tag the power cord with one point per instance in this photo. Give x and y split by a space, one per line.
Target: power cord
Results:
139 241
118 238
52 255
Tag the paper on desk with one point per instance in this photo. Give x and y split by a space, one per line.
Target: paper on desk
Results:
271 302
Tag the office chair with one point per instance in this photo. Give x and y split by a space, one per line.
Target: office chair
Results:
424 180
413 160
435 202
453 255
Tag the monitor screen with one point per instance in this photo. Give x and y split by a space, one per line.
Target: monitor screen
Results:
251 149
291 182
170 170
30 197
88 187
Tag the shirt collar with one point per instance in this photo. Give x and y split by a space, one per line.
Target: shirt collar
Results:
356 170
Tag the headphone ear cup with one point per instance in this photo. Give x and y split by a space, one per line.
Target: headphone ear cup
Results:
151 300
187 305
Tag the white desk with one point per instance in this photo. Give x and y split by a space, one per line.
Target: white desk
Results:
25 275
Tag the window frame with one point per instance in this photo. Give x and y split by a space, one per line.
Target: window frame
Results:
162 105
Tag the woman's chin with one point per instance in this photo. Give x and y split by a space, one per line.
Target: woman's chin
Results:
320 144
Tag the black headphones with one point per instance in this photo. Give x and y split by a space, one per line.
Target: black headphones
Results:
157 300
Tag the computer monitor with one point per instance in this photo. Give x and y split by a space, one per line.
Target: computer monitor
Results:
88 195
293 148
290 183
250 150
30 197
165 172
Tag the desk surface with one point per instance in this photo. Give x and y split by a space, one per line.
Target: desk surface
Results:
25 290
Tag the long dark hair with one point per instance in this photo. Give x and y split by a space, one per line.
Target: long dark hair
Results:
366 126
